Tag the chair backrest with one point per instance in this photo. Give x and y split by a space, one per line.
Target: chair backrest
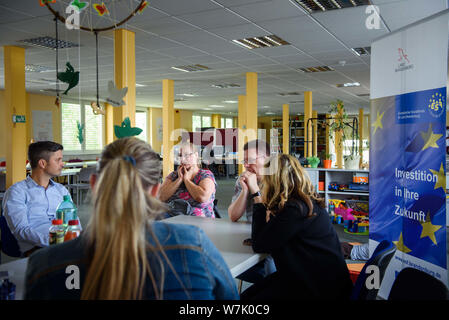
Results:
381 255
413 284
85 173
2 182
9 244
216 212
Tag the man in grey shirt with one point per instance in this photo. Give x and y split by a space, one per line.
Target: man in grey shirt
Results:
255 154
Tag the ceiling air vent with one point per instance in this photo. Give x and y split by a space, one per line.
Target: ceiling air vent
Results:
362 51
48 42
286 94
316 69
191 68
313 6
225 85
261 42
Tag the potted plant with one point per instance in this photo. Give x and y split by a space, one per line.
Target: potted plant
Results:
313 161
327 162
341 125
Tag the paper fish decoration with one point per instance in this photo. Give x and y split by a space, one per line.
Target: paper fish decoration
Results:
142 7
116 95
79 5
125 130
96 109
80 132
69 76
101 9
43 2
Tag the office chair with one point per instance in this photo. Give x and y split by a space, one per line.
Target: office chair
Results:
413 284
8 243
381 257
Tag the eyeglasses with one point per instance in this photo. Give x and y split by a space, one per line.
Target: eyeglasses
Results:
252 161
185 156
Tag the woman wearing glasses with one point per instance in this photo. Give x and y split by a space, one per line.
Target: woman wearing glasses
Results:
191 184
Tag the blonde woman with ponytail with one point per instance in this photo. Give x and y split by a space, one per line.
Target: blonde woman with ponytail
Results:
290 222
123 253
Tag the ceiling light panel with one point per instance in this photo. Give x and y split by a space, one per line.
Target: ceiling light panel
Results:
191 68
362 51
313 6
316 69
261 42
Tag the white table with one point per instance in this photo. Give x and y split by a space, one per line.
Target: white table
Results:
80 164
228 237
16 270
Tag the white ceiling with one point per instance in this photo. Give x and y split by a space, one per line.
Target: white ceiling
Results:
183 32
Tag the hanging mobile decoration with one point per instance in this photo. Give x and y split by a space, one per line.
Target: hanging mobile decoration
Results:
125 130
70 76
43 2
116 95
96 108
101 9
142 7
79 5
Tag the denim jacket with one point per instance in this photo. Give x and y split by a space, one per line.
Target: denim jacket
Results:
200 271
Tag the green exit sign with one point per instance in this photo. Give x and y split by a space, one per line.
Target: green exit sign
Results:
18 119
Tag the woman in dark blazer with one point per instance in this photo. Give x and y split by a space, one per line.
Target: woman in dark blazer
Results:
290 222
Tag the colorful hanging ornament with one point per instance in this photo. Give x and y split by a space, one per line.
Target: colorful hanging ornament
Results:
43 2
142 7
96 109
101 9
80 135
69 76
116 95
79 5
125 130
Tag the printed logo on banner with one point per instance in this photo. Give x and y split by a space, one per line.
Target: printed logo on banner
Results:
404 61
422 106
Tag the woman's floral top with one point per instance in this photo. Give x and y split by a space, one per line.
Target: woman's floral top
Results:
205 209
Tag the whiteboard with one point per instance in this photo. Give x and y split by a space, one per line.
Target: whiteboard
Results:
42 125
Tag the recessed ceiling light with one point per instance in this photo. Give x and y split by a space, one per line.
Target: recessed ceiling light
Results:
191 68
207 109
362 51
316 69
140 85
261 42
269 113
230 101
215 106
225 85
48 42
266 107
313 6
348 84
187 94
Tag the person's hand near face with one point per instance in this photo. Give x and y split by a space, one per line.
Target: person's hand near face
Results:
250 179
180 172
188 174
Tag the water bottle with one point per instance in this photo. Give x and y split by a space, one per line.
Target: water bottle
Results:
73 231
56 232
66 211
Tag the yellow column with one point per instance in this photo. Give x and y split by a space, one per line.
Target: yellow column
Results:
338 142
285 129
327 133
124 75
216 121
235 122
361 136
241 129
15 103
251 105
307 116
167 126
315 133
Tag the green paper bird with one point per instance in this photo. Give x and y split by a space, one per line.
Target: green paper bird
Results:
125 130
69 76
80 132
79 5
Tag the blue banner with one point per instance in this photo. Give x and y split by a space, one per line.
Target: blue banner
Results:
407 175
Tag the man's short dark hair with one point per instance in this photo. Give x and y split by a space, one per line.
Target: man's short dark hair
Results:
42 150
260 145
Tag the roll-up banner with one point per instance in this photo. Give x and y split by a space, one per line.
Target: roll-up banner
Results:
407 202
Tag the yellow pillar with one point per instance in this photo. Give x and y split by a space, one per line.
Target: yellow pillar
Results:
285 129
15 104
167 126
235 122
307 116
251 105
241 129
315 133
338 142
361 136
124 76
327 133
216 121
109 122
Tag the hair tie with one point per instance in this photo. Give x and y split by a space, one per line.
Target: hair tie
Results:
130 159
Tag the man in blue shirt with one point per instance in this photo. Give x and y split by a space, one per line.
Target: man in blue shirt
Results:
30 205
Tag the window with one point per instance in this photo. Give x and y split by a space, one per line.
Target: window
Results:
227 123
71 115
141 122
201 121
